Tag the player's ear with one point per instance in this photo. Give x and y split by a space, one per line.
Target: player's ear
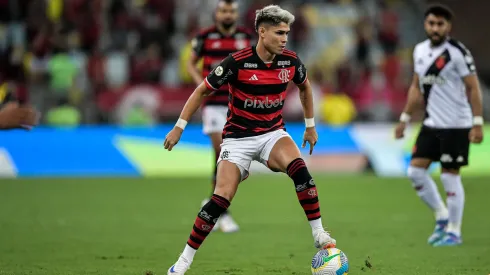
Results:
262 31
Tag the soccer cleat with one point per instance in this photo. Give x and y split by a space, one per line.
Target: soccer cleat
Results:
180 267
439 232
323 239
227 224
449 239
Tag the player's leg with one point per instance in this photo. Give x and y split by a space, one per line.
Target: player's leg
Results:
282 154
232 168
214 119
425 151
455 151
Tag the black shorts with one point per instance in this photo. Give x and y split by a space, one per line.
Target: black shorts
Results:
448 146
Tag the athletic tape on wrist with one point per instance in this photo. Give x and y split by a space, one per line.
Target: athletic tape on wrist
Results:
310 122
181 123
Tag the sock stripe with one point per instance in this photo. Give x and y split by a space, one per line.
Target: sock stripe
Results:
314 216
195 239
294 169
294 166
308 207
309 193
222 202
203 225
293 163
313 211
193 244
199 232
297 168
309 201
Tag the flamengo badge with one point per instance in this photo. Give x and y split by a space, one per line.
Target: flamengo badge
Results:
284 75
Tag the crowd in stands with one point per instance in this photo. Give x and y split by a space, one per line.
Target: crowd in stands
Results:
122 61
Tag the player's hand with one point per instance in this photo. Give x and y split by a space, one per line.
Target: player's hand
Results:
311 137
13 116
172 138
400 130
476 134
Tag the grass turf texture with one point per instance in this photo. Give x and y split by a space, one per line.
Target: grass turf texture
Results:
139 226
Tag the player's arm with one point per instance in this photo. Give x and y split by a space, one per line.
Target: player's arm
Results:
197 45
306 97
465 66
474 91
473 88
414 97
225 72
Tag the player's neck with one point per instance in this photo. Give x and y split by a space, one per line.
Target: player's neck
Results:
224 31
263 53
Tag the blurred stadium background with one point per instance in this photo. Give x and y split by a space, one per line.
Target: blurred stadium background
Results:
109 77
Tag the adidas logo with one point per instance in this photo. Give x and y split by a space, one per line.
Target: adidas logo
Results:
254 77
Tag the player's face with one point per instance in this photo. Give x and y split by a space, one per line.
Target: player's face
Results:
226 14
437 28
275 37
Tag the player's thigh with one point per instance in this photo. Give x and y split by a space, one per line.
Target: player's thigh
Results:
228 177
455 146
233 165
426 148
279 152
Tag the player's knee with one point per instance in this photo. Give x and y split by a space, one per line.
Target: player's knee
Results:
416 174
298 171
452 171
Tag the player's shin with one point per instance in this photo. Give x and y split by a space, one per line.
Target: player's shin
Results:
306 192
426 189
455 201
205 221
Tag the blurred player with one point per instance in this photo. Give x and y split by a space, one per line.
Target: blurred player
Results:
258 77
444 74
213 45
13 115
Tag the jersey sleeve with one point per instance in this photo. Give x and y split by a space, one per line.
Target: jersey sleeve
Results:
465 65
197 44
225 72
300 73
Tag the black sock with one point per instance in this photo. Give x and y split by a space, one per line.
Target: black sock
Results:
206 219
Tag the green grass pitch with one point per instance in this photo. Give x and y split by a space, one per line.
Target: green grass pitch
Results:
139 226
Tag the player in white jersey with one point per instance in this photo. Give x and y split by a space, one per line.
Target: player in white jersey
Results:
444 76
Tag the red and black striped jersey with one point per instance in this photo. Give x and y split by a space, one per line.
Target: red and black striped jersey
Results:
256 90
213 47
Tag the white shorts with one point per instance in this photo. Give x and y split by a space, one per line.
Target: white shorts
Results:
242 151
214 119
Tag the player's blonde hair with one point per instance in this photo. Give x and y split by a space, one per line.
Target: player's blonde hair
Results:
274 15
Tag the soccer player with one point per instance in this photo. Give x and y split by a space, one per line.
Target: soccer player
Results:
257 77
213 45
444 74
13 116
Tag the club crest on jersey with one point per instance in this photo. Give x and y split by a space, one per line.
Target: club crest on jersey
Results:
284 75
441 62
